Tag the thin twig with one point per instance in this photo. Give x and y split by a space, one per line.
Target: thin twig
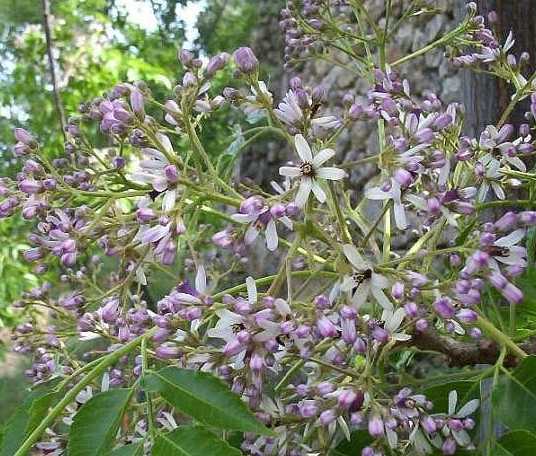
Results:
48 37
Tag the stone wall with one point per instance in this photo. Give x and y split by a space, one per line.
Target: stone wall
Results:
431 72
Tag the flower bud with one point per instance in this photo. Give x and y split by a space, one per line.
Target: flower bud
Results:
216 63
245 60
137 103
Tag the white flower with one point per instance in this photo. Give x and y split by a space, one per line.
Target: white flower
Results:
230 323
395 194
364 281
310 170
393 320
505 250
461 437
289 111
155 169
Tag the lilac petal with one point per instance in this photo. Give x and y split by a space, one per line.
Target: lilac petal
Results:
271 236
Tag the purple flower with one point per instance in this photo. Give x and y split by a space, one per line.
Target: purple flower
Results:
245 60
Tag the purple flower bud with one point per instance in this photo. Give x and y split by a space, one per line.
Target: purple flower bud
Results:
397 290
215 64
368 451
308 409
468 423
167 351
185 57
145 214
403 177
425 135
24 137
411 309
245 60
172 174
375 426
189 80
506 222
232 348
321 302
278 210
295 83
498 280
444 308
421 325
30 186
326 328
327 417
487 239
455 260
355 111
467 315
512 294
302 331
442 121
449 446
360 346
137 103
429 424
325 388
319 94
528 217
256 363
109 312
292 210
380 334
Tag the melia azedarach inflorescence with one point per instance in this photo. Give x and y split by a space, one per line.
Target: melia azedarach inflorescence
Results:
309 347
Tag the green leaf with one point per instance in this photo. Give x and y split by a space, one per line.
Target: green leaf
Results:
514 398
25 420
439 394
134 449
205 398
358 441
516 443
96 423
192 441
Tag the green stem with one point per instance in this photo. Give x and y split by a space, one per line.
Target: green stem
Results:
499 337
106 361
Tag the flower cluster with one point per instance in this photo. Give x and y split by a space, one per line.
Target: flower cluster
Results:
318 340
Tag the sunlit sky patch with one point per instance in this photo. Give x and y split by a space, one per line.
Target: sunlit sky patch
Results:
140 13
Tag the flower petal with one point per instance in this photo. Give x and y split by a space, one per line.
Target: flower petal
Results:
303 191
271 236
513 238
318 192
303 149
289 171
354 257
201 280
252 290
331 173
323 156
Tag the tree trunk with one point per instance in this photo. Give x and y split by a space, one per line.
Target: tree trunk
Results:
486 97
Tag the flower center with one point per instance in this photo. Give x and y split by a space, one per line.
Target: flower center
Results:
237 327
496 251
361 276
307 169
